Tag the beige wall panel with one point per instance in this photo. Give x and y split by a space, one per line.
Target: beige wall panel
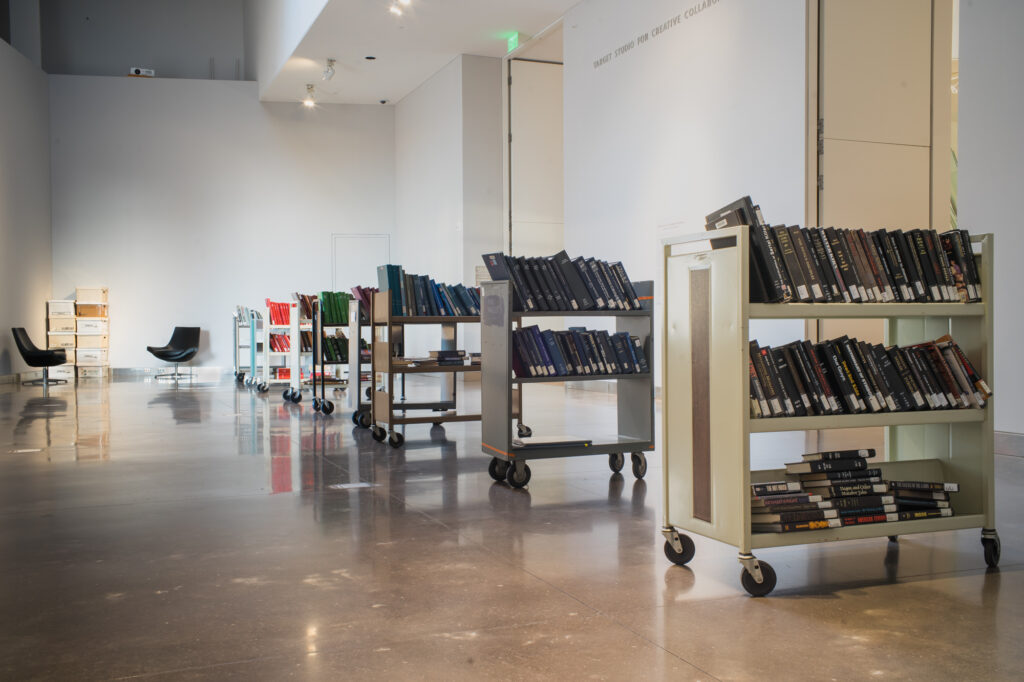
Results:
875 185
536 148
876 70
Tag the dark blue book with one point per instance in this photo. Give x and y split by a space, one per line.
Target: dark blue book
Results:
549 362
622 353
561 366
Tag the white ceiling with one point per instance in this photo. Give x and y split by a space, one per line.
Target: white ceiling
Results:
408 49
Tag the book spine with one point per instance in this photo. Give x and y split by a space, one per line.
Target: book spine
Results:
788 378
807 264
844 260
588 279
911 264
868 518
641 356
759 489
929 267
832 455
883 291
867 278
771 391
931 238
791 260
767 253
925 485
779 385
855 489
827 264
862 501
885 266
892 256
785 498
828 466
924 514
606 295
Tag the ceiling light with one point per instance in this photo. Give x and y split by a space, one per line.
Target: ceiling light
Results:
396 10
369 57
329 71
405 2
310 100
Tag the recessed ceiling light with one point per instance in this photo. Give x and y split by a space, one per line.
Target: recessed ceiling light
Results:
405 2
310 101
396 10
329 71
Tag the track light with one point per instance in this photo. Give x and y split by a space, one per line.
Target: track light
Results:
405 2
396 10
310 100
329 71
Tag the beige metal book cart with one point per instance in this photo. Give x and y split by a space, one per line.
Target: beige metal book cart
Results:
385 348
706 422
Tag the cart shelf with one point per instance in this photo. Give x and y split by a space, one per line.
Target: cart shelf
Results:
637 376
846 311
854 421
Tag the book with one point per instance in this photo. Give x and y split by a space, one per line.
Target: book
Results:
783 498
825 477
795 516
793 527
911 515
774 487
814 467
861 501
830 455
925 486
852 489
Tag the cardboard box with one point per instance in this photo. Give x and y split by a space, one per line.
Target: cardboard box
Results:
60 308
91 294
93 341
91 357
66 372
92 372
91 309
60 340
91 325
65 323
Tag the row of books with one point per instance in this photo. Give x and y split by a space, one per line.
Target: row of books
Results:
244 315
576 352
561 283
365 297
847 376
334 307
823 265
279 312
279 343
441 358
839 488
335 348
419 295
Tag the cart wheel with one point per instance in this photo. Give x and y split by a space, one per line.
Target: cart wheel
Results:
759 589
516 479
993 548
327 407
437 425
378 433
240 377
523 431
396 439
248 381
364 419
498 469
639 464
894 538
264 387
287 395
682 558
616 461
355 418
297 396
368 393
316 404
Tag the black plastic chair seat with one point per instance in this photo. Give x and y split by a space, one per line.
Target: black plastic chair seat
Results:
37 357
182 347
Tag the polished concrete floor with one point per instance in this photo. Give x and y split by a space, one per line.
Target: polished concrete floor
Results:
208 533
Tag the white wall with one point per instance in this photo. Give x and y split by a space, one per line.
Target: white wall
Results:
272 31
448 178
178 38
189 197
24 204
990 175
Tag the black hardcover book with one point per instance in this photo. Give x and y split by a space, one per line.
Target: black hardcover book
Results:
568 296
569 353
844 263
640 353
598 279
972 264
584 351
588 280
536 293
864 271
831 455
881 266
894 386
795 507
935 397
789 382
862 501
807 264
896 269
613 285
801 291
609 349
819 250
914 514
826 477
574 281
844 395
774 488
821 372
499 271
911 264
627 286
825 466
766 263
929 267
783 390
805 374
852 490
875 265
757 393
934 244
931 376
606 351
874 376
771 390
846 372
793 516
914 390
909 503
595 354
551 291
932 486
953 247
888 266
860 378
622 354
832 257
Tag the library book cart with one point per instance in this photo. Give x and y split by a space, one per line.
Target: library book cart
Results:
318 376
706 421
386 346
359 390
502 399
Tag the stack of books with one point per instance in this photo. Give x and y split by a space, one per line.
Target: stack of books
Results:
839 488
847 376
576 352
279 312
561 283
823 265
335 348
454 357
334 307
419 295
365 297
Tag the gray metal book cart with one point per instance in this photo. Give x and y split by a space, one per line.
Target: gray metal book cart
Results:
385 350
501 394
359 391
706 421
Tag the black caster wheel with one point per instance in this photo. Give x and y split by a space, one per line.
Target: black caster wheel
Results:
498 469
517 479
364 420
396 439
378 433
523 431
240 377
264 387
438 425
355 418
248 381
326 407
316 404
616 461
993 548
287 395
296 397
682 558
759 589
894 538
367 393
639 464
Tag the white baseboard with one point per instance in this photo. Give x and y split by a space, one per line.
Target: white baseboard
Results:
1008 443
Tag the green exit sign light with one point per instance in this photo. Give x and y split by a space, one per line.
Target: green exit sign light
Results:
513 41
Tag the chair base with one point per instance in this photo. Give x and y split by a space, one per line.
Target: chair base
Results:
175 376
44 380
